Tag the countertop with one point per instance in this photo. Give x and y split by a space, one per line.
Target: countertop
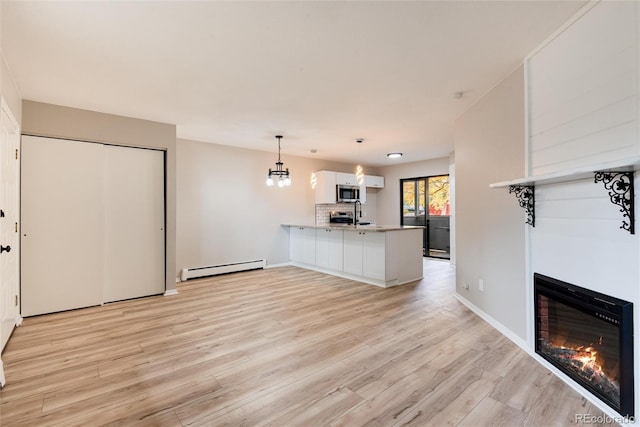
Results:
380 228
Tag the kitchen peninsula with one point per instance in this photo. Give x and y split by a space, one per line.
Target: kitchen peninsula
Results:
379 255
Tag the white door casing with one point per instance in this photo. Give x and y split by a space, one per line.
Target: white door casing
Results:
9 223
9 237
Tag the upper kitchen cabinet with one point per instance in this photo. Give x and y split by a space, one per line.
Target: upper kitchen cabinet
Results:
325 187
346 178
372 181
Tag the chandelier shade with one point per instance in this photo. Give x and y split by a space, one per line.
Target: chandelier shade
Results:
280 174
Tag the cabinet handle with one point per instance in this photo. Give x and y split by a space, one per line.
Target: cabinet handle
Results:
5 248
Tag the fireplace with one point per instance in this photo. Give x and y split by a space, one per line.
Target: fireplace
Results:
589 337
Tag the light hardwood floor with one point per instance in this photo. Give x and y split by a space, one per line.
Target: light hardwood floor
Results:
280 347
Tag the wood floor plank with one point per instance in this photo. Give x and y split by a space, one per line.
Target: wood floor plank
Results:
521 387
279 347
490 412
456 410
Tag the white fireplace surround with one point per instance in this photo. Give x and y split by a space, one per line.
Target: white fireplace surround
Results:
582 110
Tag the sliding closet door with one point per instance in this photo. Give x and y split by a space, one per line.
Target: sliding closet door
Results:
62 236
134 222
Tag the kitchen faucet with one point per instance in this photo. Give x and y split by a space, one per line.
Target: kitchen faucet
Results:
355 212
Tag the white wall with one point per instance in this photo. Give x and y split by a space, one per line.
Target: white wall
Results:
388 198
577 239
226 213
583 91
452 218
8 89
490 229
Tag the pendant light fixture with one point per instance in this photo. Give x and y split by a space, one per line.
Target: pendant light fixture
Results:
284 178
359 170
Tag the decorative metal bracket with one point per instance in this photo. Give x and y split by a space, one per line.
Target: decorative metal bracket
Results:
526 198
620 187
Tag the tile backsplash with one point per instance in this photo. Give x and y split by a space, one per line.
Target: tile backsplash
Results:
323 211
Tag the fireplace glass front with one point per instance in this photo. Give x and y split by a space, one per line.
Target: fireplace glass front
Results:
589 337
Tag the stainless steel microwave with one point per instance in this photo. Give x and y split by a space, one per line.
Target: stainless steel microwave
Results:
347 193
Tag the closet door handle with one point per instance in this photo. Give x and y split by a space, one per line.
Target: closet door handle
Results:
5 248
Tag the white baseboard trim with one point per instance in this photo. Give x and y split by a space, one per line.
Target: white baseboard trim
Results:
493 322
2 379
376 282
170 292
531 352
280 264
19 321
178 280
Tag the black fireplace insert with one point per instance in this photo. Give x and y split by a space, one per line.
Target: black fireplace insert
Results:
589 337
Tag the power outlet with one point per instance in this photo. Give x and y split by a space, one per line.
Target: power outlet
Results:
481 285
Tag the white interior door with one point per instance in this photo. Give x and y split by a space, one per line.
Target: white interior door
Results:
134 223
62 225
9 215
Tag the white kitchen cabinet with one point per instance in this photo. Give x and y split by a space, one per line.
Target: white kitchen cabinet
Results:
374 258
353 252
364 254
388 256
302 245
373 181
325 187
343 178
329 248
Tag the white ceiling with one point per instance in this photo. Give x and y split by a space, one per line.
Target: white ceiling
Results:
237 73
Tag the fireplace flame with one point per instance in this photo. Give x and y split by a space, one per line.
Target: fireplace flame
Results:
587 359
582 360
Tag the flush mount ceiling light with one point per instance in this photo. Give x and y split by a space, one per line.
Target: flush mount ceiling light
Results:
394 155
284 178
359 171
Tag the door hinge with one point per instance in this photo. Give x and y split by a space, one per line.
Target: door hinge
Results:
16 154
16 227
16 300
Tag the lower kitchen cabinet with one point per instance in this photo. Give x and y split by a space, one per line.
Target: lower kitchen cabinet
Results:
329 248
364 254
302 244
386 257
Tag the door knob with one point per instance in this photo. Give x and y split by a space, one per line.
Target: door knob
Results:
5 248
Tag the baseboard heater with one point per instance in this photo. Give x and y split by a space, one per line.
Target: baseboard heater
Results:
191 273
